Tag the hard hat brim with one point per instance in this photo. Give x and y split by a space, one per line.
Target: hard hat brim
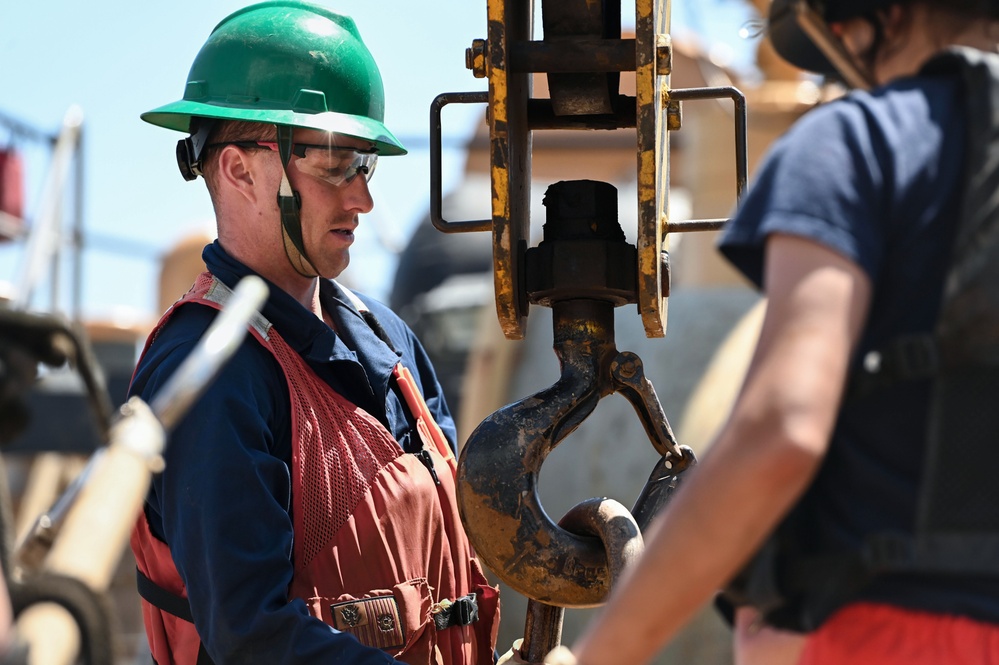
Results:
177 116
792 43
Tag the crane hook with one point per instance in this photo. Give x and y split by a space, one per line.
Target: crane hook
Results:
499 466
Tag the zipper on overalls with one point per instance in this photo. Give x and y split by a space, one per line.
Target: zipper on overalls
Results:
428 461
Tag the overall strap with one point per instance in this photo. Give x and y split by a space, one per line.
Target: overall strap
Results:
428 429
170 603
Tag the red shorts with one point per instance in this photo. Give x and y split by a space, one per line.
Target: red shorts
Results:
874 634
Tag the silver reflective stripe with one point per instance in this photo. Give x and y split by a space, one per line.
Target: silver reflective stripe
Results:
352 297
220 294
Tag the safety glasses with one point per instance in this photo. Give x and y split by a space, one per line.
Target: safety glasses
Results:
333 164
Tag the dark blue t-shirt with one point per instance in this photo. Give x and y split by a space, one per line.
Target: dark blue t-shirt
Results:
223 503
876 178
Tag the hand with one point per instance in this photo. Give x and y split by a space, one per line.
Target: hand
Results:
513 657
560 656
557 656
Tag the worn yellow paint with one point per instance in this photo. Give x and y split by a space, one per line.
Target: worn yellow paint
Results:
504 243
653 158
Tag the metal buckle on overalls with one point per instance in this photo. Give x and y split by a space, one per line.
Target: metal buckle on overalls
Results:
460 612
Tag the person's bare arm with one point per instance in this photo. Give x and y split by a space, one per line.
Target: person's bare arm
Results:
7 634
759 464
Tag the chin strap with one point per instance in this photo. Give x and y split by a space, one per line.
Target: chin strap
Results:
290 205
854 73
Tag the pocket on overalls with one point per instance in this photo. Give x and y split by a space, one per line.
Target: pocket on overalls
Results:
395 620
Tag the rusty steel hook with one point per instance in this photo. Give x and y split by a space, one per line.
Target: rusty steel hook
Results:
581 270
499 466
618 531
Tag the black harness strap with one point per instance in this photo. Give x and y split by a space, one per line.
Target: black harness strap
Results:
170 603
905 358
956 521
159 597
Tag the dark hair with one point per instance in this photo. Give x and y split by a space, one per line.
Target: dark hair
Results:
970 8
951 17
840 10
794 45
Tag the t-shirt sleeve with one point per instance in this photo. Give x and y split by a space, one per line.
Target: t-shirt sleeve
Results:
825 180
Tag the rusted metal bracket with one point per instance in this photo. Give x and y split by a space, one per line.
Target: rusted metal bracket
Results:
582 54
651 39
436 150
673 99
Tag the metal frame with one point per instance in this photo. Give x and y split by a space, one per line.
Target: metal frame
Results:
46 238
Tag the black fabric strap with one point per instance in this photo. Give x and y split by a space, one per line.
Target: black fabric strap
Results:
905 358
957 553
161 598
203 658
170 603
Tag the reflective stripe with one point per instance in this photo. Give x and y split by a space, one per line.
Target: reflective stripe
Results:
220 294
352 297
414 399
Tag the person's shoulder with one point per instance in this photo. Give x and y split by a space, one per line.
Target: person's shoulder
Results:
910 103
918 90
830 133
891 117
181 332
184 326
850 113
829 122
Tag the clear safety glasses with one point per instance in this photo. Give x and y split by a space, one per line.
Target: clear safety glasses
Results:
333 164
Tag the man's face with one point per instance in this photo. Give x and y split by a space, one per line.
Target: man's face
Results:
329 212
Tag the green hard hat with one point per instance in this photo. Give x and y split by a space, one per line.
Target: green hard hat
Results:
285 62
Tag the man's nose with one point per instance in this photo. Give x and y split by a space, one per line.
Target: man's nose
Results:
358 196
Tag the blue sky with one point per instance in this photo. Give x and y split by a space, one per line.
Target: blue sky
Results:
117 59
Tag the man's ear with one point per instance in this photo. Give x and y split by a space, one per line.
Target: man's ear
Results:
238 171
